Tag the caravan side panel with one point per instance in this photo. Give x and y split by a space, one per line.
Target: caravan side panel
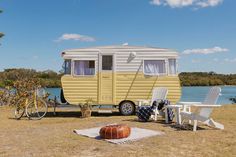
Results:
78 89
132 84
128 79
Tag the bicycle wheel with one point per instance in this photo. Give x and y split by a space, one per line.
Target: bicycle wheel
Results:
20 108
36 110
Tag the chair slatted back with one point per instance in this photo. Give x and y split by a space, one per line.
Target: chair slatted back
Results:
159 93
210 99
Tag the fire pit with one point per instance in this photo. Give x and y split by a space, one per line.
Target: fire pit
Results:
116 131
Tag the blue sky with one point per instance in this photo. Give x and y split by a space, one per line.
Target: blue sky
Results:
202 31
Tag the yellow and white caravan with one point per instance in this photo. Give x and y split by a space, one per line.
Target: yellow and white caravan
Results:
118 75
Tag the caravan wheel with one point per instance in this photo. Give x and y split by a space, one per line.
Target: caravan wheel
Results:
127 108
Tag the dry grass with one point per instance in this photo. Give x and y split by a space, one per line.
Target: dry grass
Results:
53 136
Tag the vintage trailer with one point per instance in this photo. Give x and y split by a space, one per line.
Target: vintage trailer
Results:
119 75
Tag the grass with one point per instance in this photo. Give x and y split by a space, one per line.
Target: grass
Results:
53 136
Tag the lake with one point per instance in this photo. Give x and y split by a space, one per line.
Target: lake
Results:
188 93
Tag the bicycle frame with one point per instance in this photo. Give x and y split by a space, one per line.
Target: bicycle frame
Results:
30 106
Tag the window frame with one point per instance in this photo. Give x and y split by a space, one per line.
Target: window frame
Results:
176 67
112 57
81 59
113 60
159 59
70 66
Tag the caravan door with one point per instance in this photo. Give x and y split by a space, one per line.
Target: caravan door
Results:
106 79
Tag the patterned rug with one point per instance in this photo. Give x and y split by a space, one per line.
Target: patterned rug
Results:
136 134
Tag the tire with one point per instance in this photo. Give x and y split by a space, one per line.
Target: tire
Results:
20 108
63 100
38 111
127 108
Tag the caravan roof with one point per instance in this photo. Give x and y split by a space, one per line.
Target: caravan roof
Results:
119 49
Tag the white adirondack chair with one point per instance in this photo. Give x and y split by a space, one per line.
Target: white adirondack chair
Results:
205 110
157 93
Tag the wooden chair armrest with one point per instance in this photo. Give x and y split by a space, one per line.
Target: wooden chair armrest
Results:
143 101
188 103
206 105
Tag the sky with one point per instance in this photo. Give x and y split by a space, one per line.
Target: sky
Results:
37 31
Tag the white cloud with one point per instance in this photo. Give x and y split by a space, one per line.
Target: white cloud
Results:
233 60
196 61
35 57
209 3
156 2
78 37
205 51
226 59
185 3
215 59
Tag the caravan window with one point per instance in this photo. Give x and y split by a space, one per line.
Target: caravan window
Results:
172 67
154 67
67 66
107 62
84 67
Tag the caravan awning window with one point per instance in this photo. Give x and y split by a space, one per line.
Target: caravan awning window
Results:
84 67
154 67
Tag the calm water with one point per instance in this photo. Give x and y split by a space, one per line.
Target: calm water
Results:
199 93
188 93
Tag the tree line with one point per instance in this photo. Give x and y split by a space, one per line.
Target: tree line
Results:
50 78
47 78
206 79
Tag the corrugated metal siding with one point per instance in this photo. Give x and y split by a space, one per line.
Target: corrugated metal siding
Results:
130 86
78 89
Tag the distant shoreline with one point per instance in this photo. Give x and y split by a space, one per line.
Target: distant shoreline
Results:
52 79
212 86
207 79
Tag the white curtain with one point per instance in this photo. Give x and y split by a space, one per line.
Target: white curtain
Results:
154 67
172 66
82 68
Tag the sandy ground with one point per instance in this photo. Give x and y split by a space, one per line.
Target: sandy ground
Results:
53 136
